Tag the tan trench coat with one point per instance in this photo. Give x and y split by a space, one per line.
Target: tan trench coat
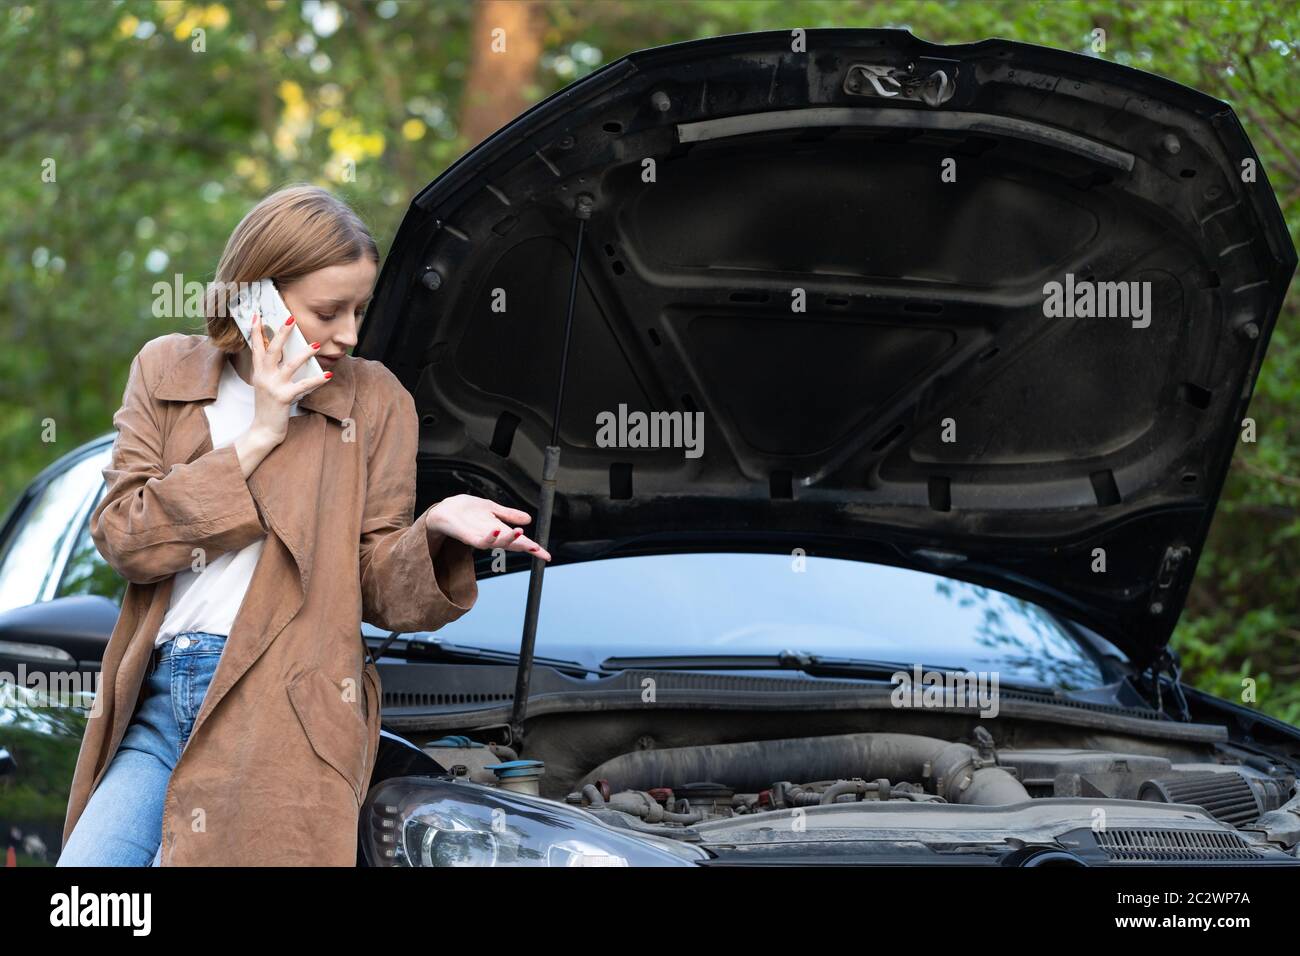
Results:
280 756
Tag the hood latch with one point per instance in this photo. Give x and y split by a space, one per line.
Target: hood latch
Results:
1165 664
920 80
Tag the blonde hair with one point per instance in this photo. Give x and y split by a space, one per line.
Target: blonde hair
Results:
290 233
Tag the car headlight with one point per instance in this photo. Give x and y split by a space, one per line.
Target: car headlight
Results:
430 821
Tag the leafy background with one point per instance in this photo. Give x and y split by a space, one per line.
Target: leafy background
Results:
160 149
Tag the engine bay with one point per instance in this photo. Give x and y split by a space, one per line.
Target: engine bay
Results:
681 787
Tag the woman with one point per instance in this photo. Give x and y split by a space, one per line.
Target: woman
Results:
258 521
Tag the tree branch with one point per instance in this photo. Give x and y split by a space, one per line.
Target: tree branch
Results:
1260 471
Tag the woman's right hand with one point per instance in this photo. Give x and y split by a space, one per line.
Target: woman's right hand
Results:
274 389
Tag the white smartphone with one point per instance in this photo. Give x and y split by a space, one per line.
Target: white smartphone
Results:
263 297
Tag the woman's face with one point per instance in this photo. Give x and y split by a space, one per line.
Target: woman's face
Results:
328 305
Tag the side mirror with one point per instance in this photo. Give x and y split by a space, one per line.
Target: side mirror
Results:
79 626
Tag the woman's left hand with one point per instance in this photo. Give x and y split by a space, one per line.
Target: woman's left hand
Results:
481 523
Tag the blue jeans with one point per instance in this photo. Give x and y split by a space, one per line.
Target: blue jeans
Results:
122 822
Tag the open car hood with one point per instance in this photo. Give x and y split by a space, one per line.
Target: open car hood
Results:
922 409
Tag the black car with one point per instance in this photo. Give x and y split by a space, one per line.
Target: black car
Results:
878 396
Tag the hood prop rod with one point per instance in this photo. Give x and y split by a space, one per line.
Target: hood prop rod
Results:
550 469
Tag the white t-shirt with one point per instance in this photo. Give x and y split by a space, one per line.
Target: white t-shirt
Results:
209 600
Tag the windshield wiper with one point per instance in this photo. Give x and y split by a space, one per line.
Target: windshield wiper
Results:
419 650
815 665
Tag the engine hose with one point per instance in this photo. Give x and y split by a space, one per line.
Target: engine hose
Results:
834 791
953 771
641 805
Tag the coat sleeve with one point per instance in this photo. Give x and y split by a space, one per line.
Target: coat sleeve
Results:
412 579
147 524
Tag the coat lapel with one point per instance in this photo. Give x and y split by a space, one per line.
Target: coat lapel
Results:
285 485
195 377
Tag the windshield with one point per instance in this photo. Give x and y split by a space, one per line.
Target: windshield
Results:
740 604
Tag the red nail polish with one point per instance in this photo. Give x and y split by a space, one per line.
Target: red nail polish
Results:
315 345
289 320
329 374
496 532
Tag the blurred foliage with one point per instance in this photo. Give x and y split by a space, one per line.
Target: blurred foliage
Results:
160 148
